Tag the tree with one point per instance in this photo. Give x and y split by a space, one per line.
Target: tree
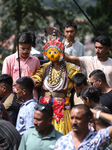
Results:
21 15
31 15
101 17
18 16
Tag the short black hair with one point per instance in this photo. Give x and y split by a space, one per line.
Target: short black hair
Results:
33 38
79 79
105 110
91 93
98 74
7 80
24 38
86 109
104 40
70 24
26 83
45 108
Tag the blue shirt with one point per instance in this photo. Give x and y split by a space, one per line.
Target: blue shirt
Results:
25 116
93 141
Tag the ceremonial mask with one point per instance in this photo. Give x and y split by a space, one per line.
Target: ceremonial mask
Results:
53 50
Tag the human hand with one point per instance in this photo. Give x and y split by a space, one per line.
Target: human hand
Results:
66 56
37 83
94 112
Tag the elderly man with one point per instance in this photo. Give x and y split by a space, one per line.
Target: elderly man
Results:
81 138
44 135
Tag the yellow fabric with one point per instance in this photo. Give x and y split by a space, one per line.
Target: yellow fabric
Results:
40 72
67 101
55 75
63 126
71 69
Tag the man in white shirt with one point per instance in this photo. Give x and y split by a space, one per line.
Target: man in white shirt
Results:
100 61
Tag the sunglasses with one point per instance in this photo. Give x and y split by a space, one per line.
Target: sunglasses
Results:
93 82
41 108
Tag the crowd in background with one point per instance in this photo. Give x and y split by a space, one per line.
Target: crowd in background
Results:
27 124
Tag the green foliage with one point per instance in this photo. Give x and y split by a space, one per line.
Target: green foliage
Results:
32 15
21 15
63 11
101 17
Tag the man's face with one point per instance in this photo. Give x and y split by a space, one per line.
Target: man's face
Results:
40 121
101 50
19 91
53 54
24 50
1 90
78 120
70 33
79 89
95 83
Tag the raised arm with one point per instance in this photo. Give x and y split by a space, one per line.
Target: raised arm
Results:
103 116
72 59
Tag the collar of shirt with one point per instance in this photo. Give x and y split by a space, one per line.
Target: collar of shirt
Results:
29 101
52 134
66 43
3 100
90 135
70 139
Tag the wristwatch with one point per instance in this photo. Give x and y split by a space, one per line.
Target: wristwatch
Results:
98 114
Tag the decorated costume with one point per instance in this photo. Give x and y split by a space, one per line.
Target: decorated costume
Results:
57 84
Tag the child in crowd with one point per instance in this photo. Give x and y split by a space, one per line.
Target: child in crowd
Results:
24 88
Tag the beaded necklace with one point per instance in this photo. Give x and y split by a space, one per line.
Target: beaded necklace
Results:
57 80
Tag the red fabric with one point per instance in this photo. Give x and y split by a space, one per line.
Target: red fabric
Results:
58 109
45 99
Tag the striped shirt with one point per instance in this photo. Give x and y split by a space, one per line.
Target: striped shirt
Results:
9 136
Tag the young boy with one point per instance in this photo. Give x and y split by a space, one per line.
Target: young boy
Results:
24 87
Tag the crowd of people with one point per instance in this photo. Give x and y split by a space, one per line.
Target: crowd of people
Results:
52 104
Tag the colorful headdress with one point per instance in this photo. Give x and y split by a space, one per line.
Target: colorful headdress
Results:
53 43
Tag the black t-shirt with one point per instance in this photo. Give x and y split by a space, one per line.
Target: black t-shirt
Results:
106 100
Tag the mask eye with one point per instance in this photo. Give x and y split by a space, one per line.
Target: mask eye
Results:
49 52
55 52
